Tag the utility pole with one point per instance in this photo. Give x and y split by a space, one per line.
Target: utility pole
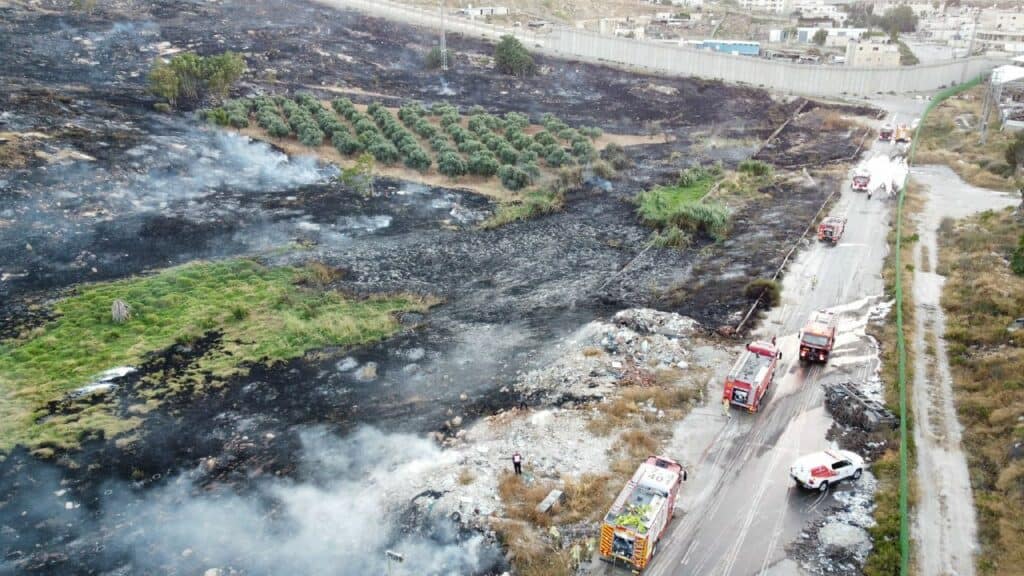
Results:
444 41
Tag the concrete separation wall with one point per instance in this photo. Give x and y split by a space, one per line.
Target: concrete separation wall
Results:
670 59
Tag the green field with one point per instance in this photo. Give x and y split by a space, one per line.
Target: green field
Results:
263 315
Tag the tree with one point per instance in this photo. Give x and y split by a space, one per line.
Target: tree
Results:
189 76
513 178
898 19
510 57
359 176
451 164
435 58
1015 152
820 36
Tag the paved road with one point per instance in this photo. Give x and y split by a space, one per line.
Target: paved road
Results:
740 507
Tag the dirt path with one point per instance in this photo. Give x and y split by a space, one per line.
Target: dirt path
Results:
945 529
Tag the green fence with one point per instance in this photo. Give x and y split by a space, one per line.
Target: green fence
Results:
901 347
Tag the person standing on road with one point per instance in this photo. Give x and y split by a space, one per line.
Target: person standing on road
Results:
725 408
517 463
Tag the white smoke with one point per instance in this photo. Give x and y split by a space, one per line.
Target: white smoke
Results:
339 520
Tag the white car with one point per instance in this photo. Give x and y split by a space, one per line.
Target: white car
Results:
820 470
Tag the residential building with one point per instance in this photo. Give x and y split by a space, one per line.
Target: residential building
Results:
872 53
820 9
483 11
775 6
835 37
1001 31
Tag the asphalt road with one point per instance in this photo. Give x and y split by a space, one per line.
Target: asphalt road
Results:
740 508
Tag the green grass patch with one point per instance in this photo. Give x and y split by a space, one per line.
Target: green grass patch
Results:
678 212
533 204
264 315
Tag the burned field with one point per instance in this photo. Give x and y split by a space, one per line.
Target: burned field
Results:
95 186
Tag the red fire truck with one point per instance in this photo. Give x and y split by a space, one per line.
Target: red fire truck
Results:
861 180
749 379
638 518
818 337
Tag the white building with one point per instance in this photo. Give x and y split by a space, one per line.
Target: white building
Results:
775 6
483 11
1001 31
872 53
820 9
835 37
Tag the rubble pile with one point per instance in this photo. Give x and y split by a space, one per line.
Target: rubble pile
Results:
630 349
839 543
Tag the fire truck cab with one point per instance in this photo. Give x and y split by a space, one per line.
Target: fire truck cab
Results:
640 515
818 337
831 229
751 376
861 180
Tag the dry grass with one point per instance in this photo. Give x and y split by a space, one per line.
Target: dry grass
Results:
530 552
942 141
629 406
831 120
981 297
466 477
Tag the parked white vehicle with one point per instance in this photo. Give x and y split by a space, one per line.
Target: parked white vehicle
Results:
820 470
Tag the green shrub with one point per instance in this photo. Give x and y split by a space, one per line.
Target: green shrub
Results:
513 177
345 143
506 153
470 146
417 159
278 129
192 77
383 151
1017 259
582 149
483 163
545 138
451 164
310 135
755 168
510 57
592 132
557 157
616 155
769 290
435 58
515 120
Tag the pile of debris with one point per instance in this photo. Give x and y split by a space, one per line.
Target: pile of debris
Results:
851 407
630 349
838 543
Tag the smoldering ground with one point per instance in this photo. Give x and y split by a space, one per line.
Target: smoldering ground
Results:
335 516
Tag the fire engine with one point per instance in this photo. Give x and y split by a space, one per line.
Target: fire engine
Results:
749 379
818 337
885 133
640 515
902 134
831 229
861 180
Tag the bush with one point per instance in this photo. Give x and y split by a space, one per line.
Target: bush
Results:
513 178
310 135
582 149
770 289
435 58
193 77
616 155
451 164
510 57
1017 259
592 132
470 146
345 143
755 168
278 129
506 153
557 157
483 163
417 159
515 120
545 138
383 151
